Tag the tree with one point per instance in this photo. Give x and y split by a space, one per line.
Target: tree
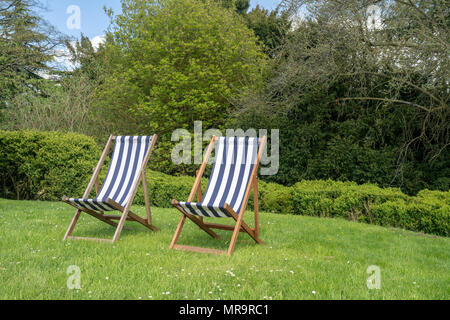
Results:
239 6
87 60
66 102
361 89
171 63
271 27
27 44
65 105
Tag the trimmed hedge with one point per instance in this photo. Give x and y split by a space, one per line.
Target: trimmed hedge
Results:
428 212
47 165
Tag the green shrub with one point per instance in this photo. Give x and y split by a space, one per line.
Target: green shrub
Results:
428 216
274 198
45 165
428 212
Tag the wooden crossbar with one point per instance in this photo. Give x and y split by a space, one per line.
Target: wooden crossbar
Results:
221 226
90 239
198 249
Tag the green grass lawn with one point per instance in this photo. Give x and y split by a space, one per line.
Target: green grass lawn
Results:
303 258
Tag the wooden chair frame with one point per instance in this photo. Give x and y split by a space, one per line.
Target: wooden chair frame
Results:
240 225
126 213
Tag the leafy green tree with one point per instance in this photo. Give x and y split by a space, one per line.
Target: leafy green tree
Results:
239 6
27 45
64 103
171 63
87 60
358 97
271 27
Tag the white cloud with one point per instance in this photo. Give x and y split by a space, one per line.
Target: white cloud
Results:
62 56
96 41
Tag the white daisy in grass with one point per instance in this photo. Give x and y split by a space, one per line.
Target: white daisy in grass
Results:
230 272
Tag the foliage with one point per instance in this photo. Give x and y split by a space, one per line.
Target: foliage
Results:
239 6
428 212
27 44
173 62
65 106
45 165
271 27
87 60
360 102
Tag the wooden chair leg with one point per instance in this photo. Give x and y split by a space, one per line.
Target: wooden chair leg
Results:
72 224
131 215
94 214
147 200
178 231
256 206
120 225
234 237
251 232
199 193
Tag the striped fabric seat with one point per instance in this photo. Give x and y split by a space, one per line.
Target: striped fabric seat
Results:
234 162
128 156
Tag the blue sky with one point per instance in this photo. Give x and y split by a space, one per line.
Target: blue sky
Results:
93 20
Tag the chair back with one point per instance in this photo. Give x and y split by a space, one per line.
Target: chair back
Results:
126 162
235 158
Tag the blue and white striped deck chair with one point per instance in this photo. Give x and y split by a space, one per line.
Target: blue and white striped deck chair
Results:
233 175
126 171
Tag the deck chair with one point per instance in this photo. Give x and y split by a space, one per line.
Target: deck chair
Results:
126 171
233 175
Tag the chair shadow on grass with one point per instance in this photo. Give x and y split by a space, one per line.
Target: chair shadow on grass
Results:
96 229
